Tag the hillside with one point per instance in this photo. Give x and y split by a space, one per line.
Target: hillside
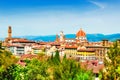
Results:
90 37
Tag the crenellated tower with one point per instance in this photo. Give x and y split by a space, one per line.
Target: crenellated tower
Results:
9 37
9 32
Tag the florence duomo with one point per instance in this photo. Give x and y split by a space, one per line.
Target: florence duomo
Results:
78 47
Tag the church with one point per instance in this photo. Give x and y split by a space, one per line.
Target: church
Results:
80 37
18 46
80 48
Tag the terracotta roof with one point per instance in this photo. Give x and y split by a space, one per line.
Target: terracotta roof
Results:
43 43
25 56
38 47
14 45
97 46
86 50
55 44
94 67
21 40
81 33
71 47
28 56
20 62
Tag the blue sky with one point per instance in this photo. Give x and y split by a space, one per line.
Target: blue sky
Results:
48 17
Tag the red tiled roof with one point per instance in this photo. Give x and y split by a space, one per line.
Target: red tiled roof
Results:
55 44
38 47
71 47
25 56
81 33
50 43
21 40
43 43
94 67
97 46
86 50
21 63
28 56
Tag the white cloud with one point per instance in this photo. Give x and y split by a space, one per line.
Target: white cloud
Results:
100 5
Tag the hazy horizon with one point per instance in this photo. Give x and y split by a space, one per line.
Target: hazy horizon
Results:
58 34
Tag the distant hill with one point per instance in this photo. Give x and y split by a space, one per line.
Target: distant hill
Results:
90 37
99 37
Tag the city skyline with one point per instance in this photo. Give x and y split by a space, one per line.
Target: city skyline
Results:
48 17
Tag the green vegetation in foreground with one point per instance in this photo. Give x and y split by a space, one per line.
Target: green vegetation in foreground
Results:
6 61
54 68
36 69
112 63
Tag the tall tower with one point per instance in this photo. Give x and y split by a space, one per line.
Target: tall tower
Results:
62 37
9 32
57 38
9 37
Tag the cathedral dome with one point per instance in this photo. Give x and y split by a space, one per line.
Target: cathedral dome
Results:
81 33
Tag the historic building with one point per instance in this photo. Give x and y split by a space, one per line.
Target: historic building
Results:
18 46
81 49
77 47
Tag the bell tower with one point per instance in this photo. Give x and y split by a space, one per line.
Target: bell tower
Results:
57 38
9 32
9 37
62 37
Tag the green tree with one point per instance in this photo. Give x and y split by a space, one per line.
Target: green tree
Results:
55 59
69 69
37 70
6 60
51 69
112 61
34 70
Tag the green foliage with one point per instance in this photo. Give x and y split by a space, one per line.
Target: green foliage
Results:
118 70
33 71
112 61
51 69
6 60
83 75
55 59
1 48
70 70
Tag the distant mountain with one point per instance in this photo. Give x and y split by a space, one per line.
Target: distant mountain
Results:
90 37
99 37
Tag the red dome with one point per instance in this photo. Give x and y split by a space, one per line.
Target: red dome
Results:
81 33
